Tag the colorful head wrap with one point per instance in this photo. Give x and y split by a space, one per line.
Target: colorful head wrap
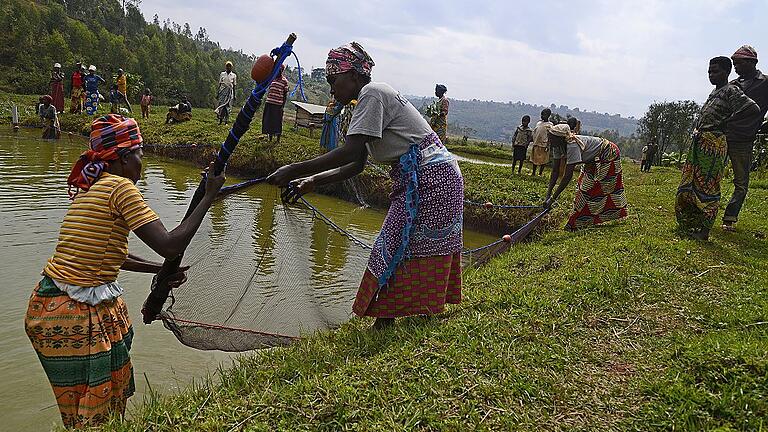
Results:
111 137
345 58
745 52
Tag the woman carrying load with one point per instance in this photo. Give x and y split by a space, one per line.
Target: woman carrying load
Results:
415 265
77 320
600 189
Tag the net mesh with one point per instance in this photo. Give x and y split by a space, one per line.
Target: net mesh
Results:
264 274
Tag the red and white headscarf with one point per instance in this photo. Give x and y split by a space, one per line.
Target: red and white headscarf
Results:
745 52
111 137
351 56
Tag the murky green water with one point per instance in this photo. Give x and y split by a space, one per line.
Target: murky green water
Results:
33 201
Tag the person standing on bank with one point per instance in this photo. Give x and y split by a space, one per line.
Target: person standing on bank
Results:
540 155
415 265
728 114
653 148
76 94
226 93
520 140
755 85
57 88
438 120
277 95
122 83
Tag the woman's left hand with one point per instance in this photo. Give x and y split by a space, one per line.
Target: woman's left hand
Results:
282 176
296 189
177 279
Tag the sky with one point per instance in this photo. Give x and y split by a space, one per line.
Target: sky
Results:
614 56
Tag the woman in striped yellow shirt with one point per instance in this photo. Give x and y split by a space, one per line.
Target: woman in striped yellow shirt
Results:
77 320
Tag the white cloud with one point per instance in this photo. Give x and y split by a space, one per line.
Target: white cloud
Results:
598 55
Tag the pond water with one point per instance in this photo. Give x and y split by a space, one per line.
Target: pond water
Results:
33 200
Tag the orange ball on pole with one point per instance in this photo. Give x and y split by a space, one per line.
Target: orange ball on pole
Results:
262 68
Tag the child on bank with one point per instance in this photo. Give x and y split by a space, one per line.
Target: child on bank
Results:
146 103
520 140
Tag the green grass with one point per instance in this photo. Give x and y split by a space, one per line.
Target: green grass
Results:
478 148
621 327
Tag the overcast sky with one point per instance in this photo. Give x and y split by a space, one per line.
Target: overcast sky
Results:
603 55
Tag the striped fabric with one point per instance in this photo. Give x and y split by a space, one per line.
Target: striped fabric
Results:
84 351
93 241
277 91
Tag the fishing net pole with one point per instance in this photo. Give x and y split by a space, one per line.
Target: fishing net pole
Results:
160 290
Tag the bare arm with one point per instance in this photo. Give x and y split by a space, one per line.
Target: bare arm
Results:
170 244
353 150
140 265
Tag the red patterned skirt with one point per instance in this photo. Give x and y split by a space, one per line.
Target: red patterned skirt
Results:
600 193
422 286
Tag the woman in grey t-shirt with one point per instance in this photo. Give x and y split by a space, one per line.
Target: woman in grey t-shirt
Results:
415 264
599 190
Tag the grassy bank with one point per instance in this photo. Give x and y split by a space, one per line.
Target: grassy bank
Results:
479 148
622 327
256 156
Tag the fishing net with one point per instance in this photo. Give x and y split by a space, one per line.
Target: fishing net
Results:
264 273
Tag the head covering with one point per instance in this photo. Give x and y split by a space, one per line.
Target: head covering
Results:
229 63
46 98
92 68
345 58
441 88
57 65
563 130
745 52
111 137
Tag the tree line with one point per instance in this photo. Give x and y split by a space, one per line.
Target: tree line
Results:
164 56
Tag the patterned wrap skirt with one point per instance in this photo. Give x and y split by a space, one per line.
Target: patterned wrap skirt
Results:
76 103
600 193
91 102
415 265
84 351
698 197
439 124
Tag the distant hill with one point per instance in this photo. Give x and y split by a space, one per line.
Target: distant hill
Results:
497 120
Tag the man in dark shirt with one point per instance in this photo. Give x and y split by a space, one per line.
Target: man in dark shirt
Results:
755 85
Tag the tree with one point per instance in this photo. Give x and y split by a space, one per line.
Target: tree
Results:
670 123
